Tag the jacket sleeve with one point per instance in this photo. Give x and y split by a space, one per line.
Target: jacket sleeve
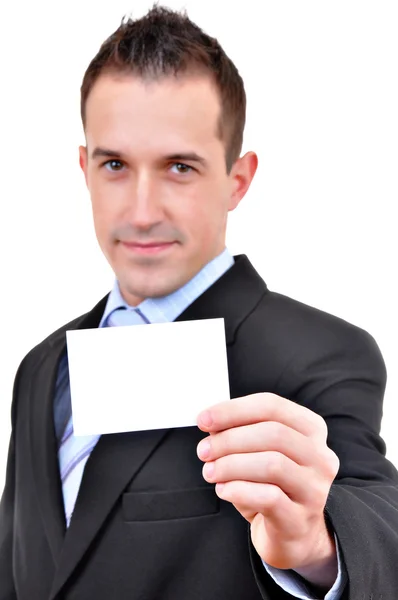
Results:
343 379
337 371
7 589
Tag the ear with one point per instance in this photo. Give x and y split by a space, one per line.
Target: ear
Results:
83 161
241 175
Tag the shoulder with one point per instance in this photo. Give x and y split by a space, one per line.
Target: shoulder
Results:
57 338
32 360
293 316
293 328
53 340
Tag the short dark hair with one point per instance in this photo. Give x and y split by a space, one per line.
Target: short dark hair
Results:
166 42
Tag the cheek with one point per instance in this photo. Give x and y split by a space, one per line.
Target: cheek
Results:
103 221
99 210
203 219
103 208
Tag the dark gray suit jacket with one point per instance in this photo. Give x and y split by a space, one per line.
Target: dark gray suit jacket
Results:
146 524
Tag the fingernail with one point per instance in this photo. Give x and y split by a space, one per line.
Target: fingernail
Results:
204 449
205 418
209 470
219 488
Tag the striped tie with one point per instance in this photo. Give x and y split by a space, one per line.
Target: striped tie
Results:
74 451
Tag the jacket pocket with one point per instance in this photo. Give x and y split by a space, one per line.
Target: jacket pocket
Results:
165 505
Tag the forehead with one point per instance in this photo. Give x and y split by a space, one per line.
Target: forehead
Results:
128 110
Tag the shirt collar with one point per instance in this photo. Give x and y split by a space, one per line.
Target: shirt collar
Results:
168 308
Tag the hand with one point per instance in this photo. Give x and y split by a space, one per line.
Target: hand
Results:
269 458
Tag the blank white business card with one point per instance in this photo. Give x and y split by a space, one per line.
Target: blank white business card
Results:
156 376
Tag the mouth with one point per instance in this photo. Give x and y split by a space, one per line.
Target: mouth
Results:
147 248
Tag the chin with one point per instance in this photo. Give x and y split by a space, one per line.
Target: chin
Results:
150 290
153 283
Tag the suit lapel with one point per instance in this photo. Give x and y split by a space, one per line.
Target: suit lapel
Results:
232 297
44 450
117 457
113 463
43 444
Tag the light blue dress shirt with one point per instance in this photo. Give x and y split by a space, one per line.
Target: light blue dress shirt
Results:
160 310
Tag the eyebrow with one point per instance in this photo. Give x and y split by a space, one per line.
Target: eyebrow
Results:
176 157
100 152
187 156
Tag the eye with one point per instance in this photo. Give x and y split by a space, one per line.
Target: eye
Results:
113 165
182 168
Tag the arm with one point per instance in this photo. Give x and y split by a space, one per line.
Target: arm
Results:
345 384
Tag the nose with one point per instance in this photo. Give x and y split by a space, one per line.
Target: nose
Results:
145 207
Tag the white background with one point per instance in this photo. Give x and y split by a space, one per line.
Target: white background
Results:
319 222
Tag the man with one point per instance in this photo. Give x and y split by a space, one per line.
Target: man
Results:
291 494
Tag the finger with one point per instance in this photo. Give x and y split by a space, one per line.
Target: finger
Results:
298 483
262 407
276 522
250 499
260 437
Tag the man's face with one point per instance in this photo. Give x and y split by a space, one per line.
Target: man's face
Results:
155 168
